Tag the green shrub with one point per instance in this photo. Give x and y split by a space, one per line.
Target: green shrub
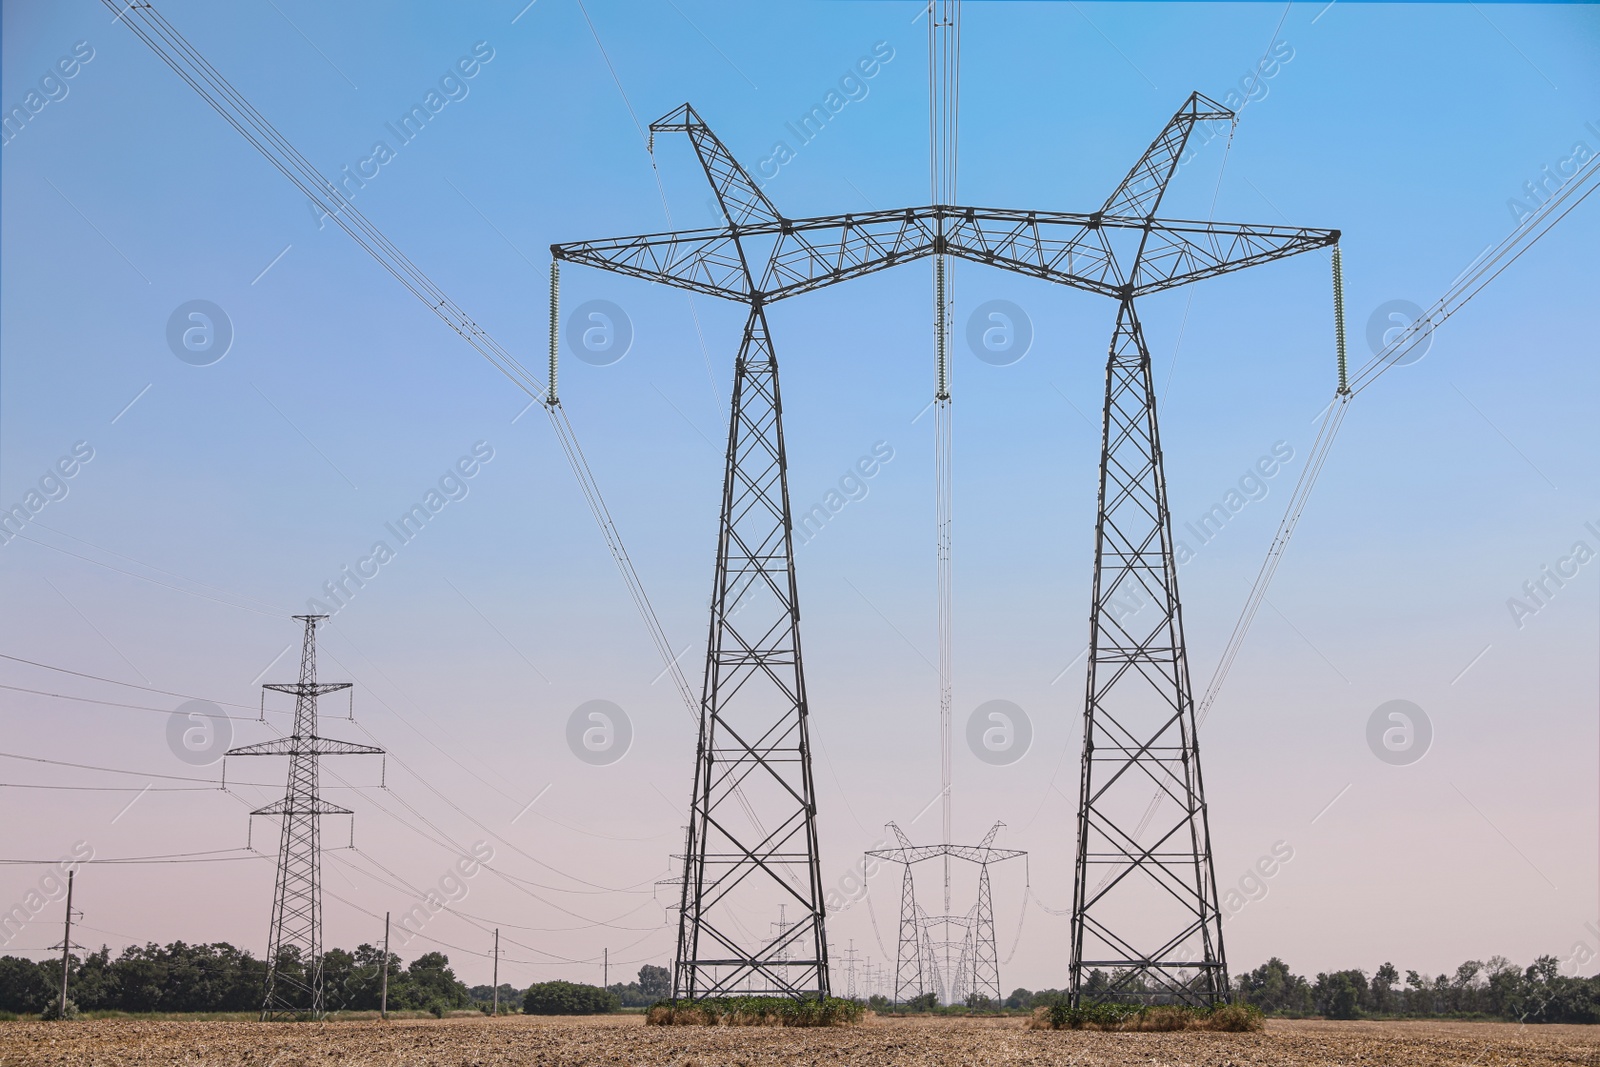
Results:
1232 1018
52 1010
755 1011
568 998
1236 1018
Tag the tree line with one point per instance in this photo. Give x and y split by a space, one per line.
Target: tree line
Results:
1493 989
219 977
183 978
1496 989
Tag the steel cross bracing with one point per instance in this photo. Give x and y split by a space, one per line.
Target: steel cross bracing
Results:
294 944
1139 712
752 829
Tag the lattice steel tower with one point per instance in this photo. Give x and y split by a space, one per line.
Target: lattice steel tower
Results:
919 968
1139 714
294 944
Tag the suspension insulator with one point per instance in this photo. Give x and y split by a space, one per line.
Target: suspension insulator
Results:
551 397
940 329
1338 320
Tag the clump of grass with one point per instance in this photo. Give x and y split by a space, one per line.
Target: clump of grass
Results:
754 1011
1230 1018
1236 1018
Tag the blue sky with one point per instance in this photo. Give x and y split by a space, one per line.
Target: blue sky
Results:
227 494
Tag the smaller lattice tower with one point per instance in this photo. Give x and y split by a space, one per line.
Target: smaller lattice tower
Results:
294 945
952 966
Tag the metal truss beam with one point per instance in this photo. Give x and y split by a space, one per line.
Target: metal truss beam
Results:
1080 251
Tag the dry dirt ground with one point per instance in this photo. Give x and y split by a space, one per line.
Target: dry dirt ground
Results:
625 1040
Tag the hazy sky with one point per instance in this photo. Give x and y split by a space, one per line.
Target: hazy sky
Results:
198 519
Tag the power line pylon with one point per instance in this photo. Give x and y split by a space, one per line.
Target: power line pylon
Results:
919 969
294 944
1139 681
850 971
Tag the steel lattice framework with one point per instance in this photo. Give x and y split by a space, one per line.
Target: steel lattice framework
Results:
294 944
1139 709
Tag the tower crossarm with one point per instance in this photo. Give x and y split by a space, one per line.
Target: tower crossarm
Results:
701 261
1177 253
801 254
971 853
314 689
302 806
1119 255
305 746
1095 253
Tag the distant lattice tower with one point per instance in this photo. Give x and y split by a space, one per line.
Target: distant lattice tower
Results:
294 945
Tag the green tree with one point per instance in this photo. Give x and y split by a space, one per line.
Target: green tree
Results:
430 983
655 982
568 998
1382 988
1339 995
23 986
1273 988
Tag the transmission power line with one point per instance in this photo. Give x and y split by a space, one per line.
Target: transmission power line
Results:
197 72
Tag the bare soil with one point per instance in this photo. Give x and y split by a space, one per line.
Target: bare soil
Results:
625 1040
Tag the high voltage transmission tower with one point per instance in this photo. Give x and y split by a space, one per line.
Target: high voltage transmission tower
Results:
924 965
1152 919
294 945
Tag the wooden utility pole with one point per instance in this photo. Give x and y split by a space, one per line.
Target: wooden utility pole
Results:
383 1003
66 947
497 971
605 969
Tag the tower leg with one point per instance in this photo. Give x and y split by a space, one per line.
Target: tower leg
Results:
985 957
753 832
1144 896
932 973
908 964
